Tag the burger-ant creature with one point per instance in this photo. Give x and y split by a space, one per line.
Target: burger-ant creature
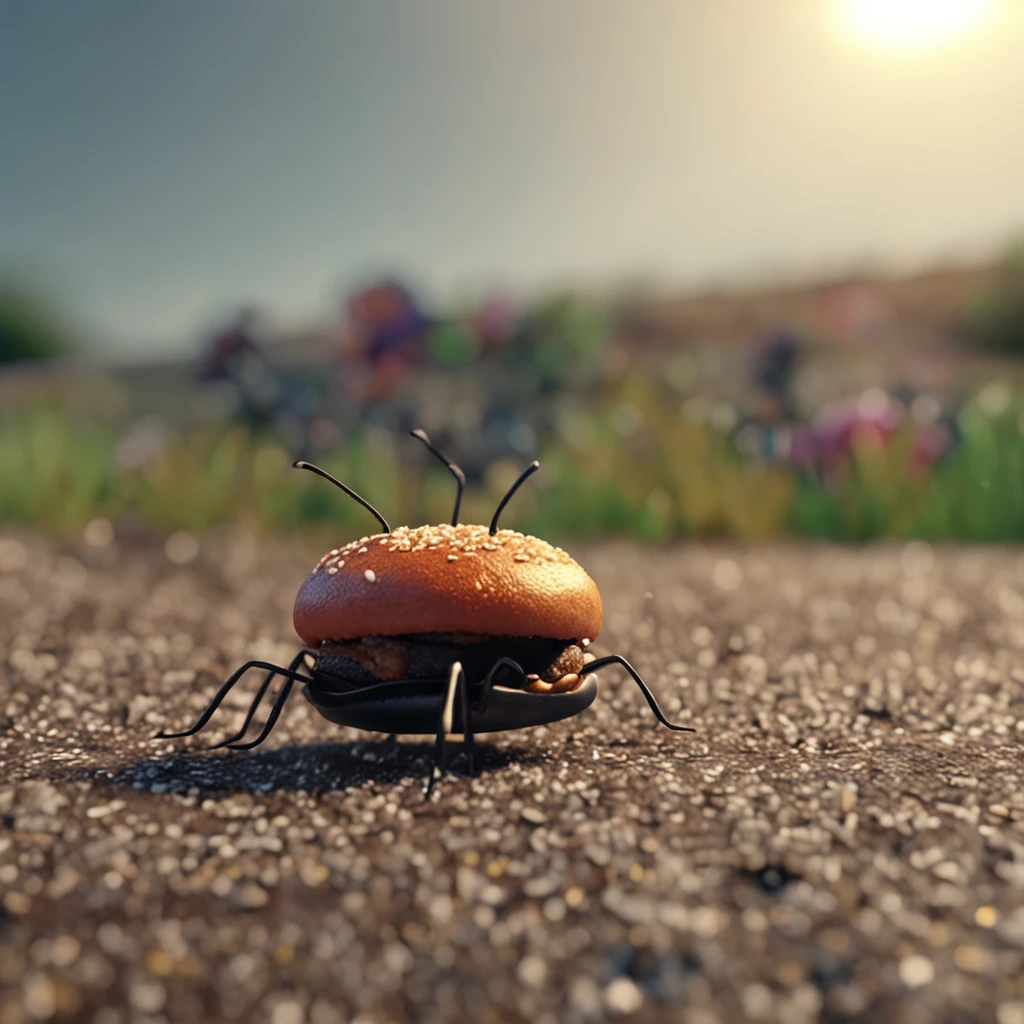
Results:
440 629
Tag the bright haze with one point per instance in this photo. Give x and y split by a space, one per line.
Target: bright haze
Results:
162 162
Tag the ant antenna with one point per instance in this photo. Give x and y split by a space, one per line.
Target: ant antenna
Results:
348 490
460 477
529 471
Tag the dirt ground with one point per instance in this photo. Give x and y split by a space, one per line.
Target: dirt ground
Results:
841 840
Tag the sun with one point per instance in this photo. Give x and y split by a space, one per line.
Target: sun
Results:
912 24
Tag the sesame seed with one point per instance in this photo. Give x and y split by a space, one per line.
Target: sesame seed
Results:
370 576
333 569
362 551
341 563
453 558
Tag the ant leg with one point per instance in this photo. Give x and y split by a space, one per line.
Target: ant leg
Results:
444 724
275 713
257 700
467 723
485 694
223 692
480 705
612 659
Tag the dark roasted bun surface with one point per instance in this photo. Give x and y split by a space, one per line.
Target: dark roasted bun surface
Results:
447 579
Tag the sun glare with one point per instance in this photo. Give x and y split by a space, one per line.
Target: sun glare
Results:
912 24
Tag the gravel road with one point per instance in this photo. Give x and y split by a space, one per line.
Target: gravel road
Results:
842 840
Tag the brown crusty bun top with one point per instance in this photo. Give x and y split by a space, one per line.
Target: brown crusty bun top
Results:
447 579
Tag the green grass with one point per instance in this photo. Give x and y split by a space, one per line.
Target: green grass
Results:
653 475
55 475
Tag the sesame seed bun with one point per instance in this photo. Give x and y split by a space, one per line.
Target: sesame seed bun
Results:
447 579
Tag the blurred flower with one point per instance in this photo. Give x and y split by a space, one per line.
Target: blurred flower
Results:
495 320
723 417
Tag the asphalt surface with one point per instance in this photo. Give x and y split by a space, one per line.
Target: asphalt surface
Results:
842 840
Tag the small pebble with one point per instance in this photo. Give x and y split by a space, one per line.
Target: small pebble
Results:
916 970
623 996
252 897
986 917
181 548
1010 1012
287 1011
532 971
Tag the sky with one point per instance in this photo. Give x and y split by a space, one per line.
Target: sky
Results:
163 162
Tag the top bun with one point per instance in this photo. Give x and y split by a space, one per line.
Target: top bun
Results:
447 579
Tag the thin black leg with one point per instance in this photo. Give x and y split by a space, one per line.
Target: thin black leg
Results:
257 700
467 724
480 705
444 725
223 692
275 713
613 659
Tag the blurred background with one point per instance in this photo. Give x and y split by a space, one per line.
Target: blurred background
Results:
731 268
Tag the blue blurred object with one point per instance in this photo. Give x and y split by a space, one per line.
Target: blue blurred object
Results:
386 319
775 367
264 394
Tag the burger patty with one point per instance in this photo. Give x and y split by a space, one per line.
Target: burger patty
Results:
372 659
